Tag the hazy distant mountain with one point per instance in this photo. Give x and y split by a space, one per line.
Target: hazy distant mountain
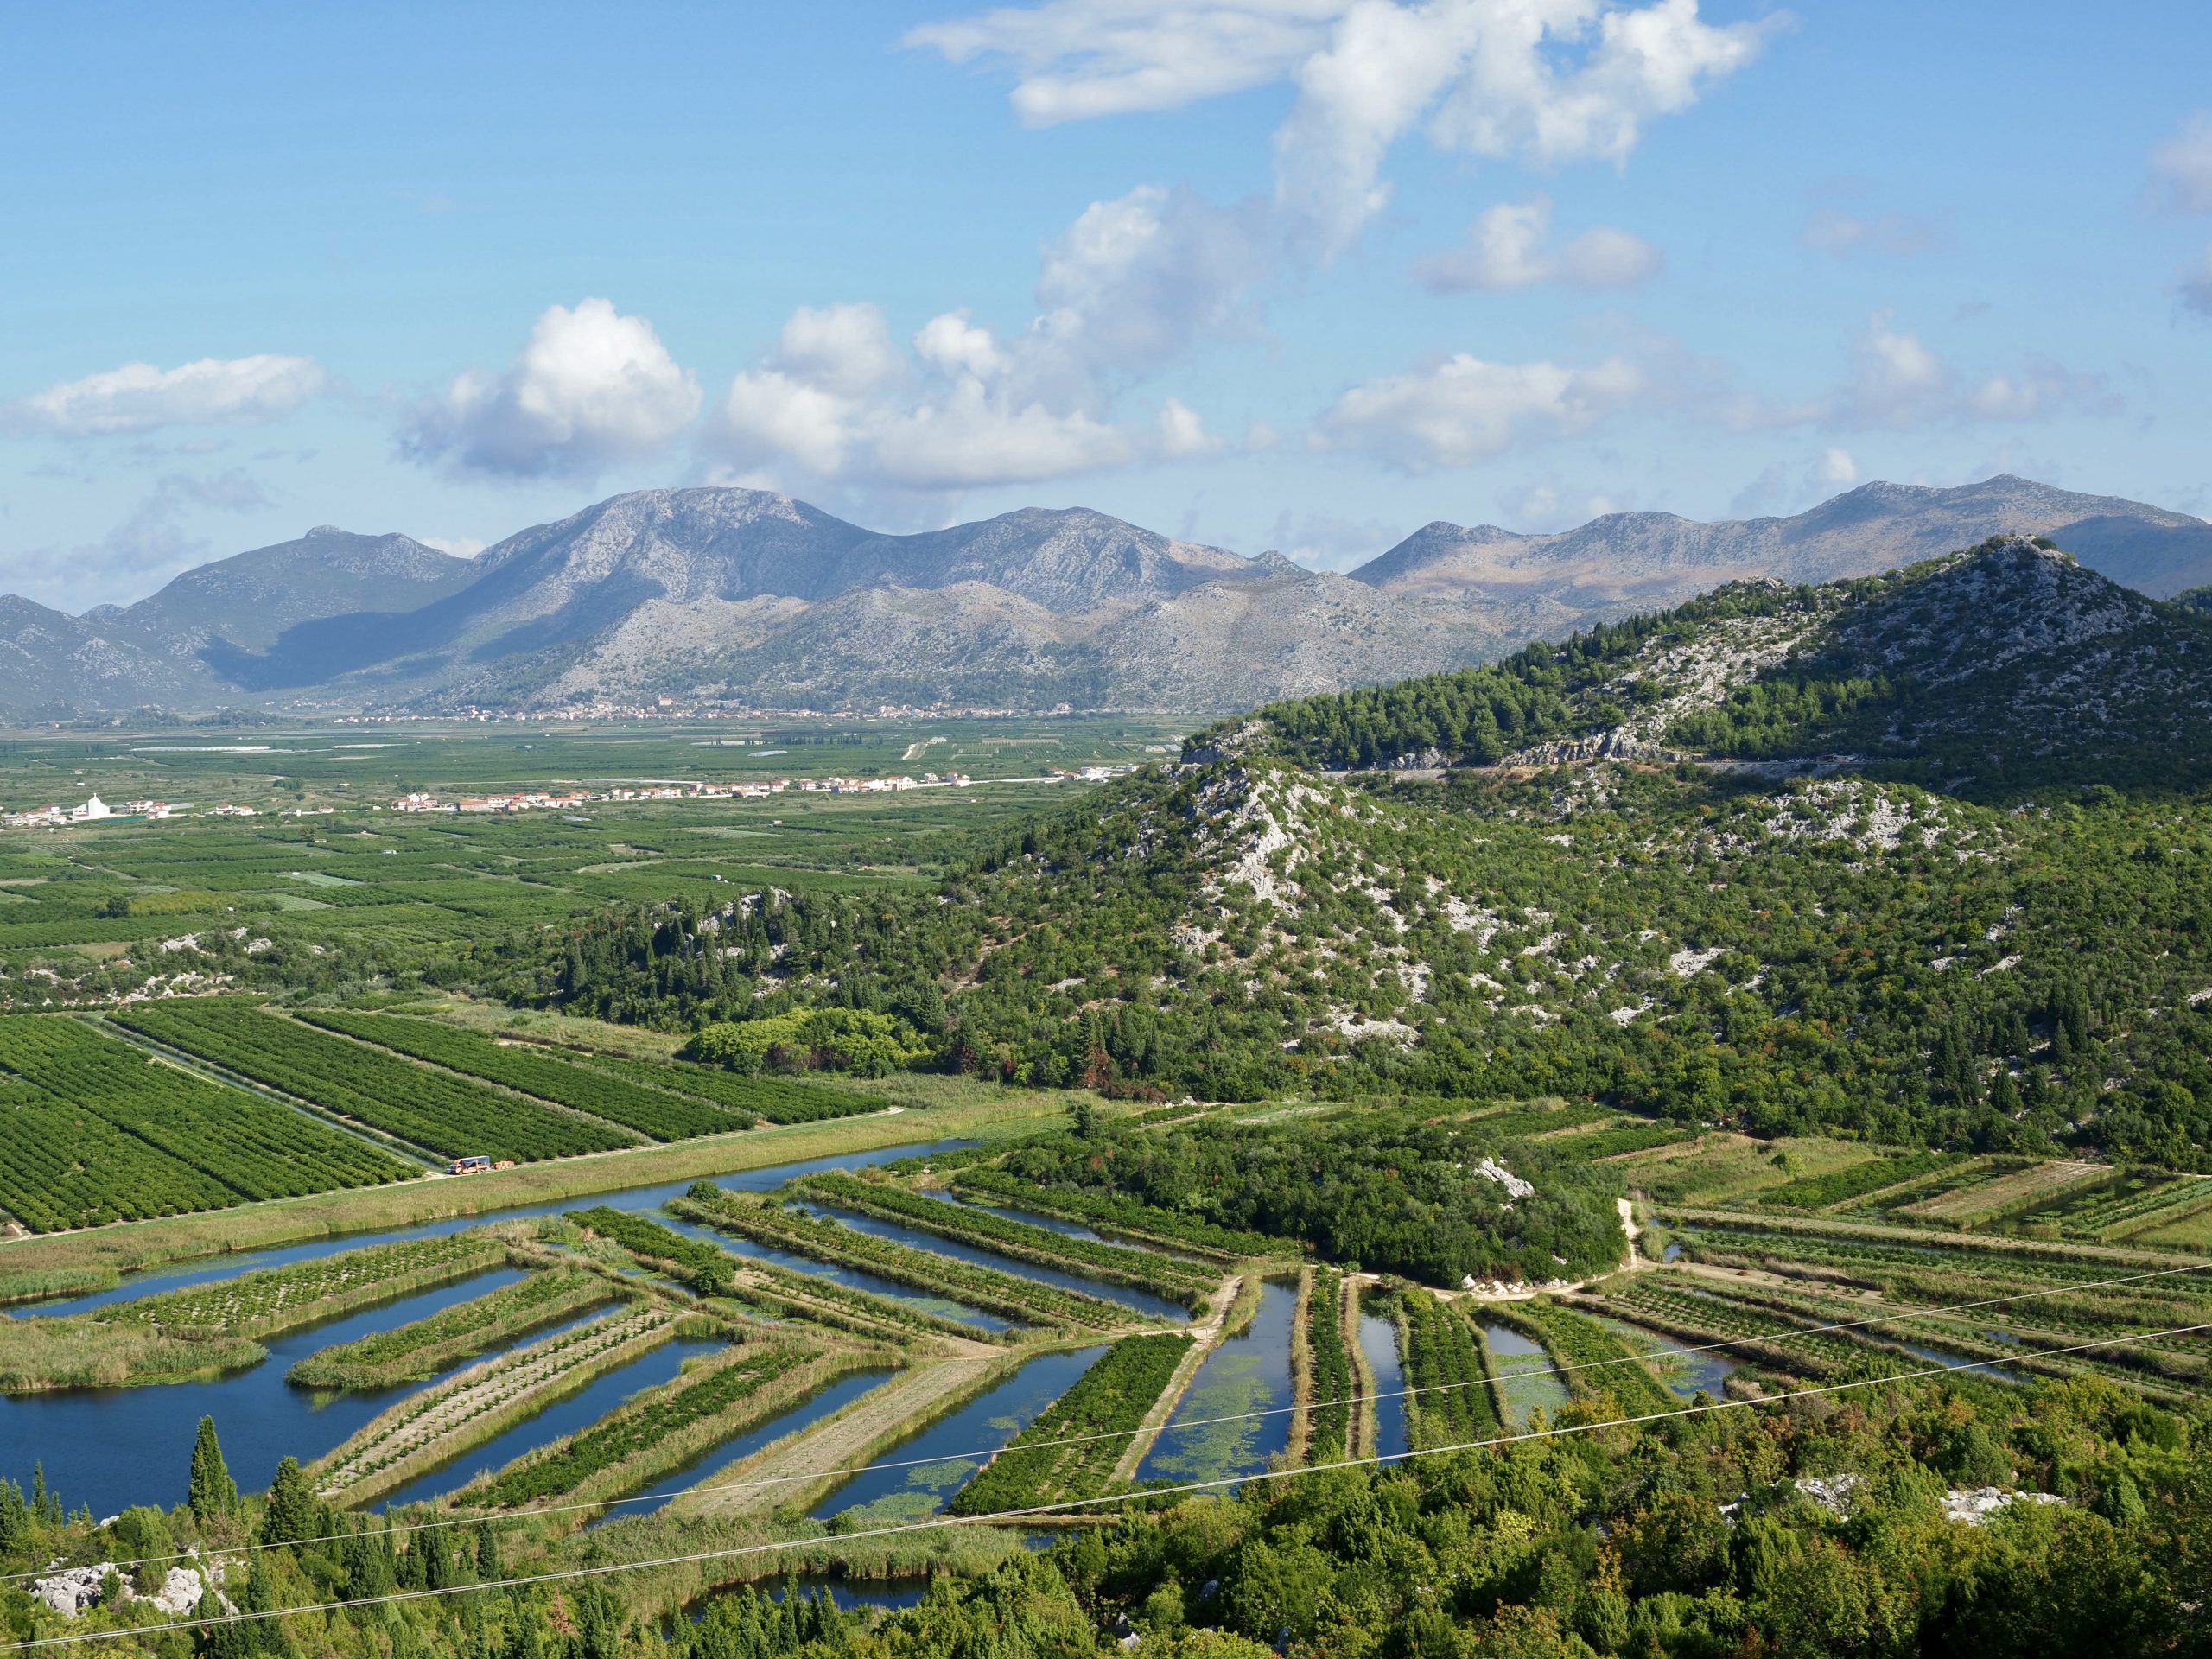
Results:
1537 584
757 598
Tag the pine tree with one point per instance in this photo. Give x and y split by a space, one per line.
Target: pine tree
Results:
293 1516
211 1490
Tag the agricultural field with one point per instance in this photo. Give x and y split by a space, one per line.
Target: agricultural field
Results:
1330 1389
1592 1361
444 1114
1070 1449
651 1112
417 1351
1448 1379
93 1130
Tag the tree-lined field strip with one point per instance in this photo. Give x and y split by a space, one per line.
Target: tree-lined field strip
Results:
1111 1399
1448 1399
1117 1264
530 1071
1328 1369
786 1475
1111 1213
779 1100
440 1423
433 1109
52 1177
993 1292
2020 1190
416 1351
654 1432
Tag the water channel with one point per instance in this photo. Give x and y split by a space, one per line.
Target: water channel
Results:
113 1448
1248 1372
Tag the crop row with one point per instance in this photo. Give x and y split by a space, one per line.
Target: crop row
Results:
431 1108
1841 1185
639 1426
708 1270
1591 1359
648 1111
779 1100
421 1348
1116 1264
1448 1400
786 1292
255 1147
1328 1368
1100 1415
1711 1319
274 1299
1613 1144
1113 1211
1864 1259
2114 1214
832 1242
62 1166
459 1412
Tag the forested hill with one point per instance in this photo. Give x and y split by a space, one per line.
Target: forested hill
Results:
2004 668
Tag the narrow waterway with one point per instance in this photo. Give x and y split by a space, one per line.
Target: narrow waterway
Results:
709 1465
1513 1358
873 1283
1248 1372
580 1410
1144 1302
113 1448
1378 1340
964 1440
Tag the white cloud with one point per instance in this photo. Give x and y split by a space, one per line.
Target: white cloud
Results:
844 349
1841 235
1182 435
1324 541
2183 166
1548 80
1465 410
1509 247
1784 487
590 387
462 547
973 438
1837 467
138 397
952 345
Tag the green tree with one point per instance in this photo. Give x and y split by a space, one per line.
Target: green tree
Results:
293 1514
211 1491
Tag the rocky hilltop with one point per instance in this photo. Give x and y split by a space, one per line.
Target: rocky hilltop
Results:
754 598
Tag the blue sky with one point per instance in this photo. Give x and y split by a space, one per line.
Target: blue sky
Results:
1303 274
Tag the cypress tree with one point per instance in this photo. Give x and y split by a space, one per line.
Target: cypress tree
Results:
211 1491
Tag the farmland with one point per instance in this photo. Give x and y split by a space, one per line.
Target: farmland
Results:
651 1112
146 1139
417 1351
1070 1449
1329 1389
445 1114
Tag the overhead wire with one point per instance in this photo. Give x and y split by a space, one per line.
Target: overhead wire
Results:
757 1482
1146 1496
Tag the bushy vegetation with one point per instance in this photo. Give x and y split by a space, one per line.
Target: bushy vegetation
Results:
709 1271
1329 1386
1383 1189
1448 1399
641 1425
1594 1363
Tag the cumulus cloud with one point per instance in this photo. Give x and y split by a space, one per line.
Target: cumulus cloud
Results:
1840 235
139 397
1897 381
1549 81
2183 166
1465 410
1326 541
1785 487
153 541
590 387
1182 435
1510 246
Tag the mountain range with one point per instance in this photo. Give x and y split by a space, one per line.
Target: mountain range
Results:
754 598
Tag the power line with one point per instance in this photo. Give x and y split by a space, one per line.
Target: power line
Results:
755 1483
1148 1495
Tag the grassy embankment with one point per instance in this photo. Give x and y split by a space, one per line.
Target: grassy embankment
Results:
195 1331
418 1351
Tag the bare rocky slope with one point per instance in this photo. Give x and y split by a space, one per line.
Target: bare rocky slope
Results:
754 598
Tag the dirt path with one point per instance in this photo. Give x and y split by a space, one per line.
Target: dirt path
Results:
842 1441
1636 1257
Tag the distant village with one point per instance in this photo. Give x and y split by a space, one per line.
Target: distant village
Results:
93 809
